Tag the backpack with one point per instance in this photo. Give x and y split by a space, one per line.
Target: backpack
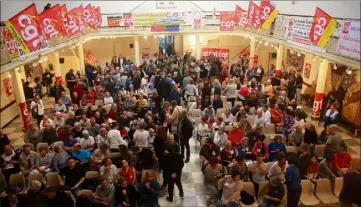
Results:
246 198
34 112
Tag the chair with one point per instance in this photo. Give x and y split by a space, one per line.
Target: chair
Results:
338 186
189 104
291 149
34 176
324 193
249 188
115 155
224 99
107 107
130 114
92 174
355 163
65 116
319 151
269 128
227 105
238 102
251 119
154 173
87 193
307 196
18 179
227 128
220 111
196 112
51 179
99 102
262 190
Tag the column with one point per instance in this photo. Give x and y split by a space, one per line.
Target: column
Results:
81 58
20 97
279 59
198 46
320 89
57 69
252 51
136 50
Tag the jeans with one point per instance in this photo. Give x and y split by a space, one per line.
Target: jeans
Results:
231 100
230 204
293 197
185 143
176 181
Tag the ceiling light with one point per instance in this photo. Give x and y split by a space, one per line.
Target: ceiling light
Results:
349 71
272 45
266 43
291 52
145 36
9 75
299 54
276 47
40 61
260 41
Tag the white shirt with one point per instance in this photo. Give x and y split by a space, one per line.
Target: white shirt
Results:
141 138
88 142
220 140
115 139
40 106
42 123
231 90
110 175
144 82
259 121
267 117
201 128
226 119
108 100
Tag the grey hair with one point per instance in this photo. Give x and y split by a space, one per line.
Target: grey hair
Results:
85 132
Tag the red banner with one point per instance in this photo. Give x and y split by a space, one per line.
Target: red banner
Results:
240 17
58 79
128 20
220 53
322 27
10 42
25 115
73 22
253 14
64 18
268 14
317 104
8 86
227 23
114 21
91 59
50 23
24 27
82 26
89 16
98 16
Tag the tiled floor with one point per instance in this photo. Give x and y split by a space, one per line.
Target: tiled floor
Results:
196 193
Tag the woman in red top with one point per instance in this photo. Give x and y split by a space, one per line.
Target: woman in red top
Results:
113 113
235 135
91 96
128 172
78 88
313 169
276 114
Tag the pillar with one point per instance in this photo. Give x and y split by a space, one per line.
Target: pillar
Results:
279 58
57 69
320 89
198 46
136 50
81 58
20 97
252 51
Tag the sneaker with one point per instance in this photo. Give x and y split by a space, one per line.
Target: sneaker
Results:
181 195
169 199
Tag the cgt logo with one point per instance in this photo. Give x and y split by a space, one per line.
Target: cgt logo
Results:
29 31
48 27
227 24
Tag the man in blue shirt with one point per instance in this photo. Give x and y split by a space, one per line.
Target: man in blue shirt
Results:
175 95
80 154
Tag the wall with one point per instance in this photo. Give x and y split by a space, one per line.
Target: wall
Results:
178 44
350 9
10 112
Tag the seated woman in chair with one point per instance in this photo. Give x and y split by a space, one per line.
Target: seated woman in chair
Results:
231 185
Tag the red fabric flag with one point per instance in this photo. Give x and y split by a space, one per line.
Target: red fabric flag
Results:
80 14
64 17
253 14
240 17
73 22
226 19
88 16
322 27
266 10
51 23
99 17
24 27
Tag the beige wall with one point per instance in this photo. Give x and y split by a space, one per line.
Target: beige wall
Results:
12 111
178 44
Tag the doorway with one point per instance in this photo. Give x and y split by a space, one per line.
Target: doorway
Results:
166 44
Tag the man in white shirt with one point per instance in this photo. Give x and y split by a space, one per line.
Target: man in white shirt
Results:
87 142
266 114
231 91
114 137
260 120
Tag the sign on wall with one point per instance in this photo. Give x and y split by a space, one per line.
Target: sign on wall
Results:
349 40
219 53
298 30
161 19
115 21
8 87
307 70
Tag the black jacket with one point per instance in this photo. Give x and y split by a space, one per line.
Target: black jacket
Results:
187 128
173 163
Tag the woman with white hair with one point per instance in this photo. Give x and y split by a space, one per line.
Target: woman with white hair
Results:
87 142
58 121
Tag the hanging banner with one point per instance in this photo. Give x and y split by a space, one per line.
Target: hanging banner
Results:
8 87
322 28
240 17
167 28
197 18
51 23
73 22
10 42
91 59
219 53
256 18
64 18
227 23
98 17
82 26
24 27
349 41
268 14
317 104
94 22
128 20
159 19
88 17
252 9
115 21
298 29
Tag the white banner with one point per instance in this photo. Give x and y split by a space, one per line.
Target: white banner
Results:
298 30
349 40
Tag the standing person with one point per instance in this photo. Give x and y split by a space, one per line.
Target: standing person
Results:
258 73
47 79
293 181
185 132
299 83
258 172
230 91
304 160
38 87
4 140
56 90
70 81
351 190
149 191
333 140
173 165
37 109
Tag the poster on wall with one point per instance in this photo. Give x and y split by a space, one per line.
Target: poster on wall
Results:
349 41
145 53
8 87
10 42
307 70
219 53
294 61
298 30
160 19
128 20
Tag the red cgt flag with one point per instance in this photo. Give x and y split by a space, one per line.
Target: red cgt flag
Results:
51 23
90 58
73 22
81 21
24 27
64 18
268 14
88 16
240 17
322 28
253 15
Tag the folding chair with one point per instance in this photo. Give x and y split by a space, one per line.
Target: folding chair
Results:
107 107
220 111
291 149
324 193
262 190
307 196
319 151
338 186
34 176
251 119
51 179
92 174
99 102
87 193
18 179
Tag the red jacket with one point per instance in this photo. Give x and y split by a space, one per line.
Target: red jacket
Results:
79 90
235 136
244 91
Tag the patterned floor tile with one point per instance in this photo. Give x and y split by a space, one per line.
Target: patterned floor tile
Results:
8 130
357 149
351 142
15 135
18 130
197 177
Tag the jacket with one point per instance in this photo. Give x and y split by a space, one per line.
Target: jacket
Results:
173 163
186 128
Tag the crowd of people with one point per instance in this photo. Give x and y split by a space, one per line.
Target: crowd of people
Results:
130 122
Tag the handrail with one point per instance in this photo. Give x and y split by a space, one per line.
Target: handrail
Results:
240 52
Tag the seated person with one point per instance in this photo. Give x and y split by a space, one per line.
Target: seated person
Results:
252 135
296 137
128 172
217 103
209 112
213 172
220 137
313 168
109 171
228 154
125 194
278 169
216 125
245 148
240 167
80 154
231 185
74 176
44 161
260 147
69 143
209 150
49 134
331 116
60 107
235 135
275 193
33 135
9 162
99 155
104 194
60 158
87 142
275 147
310 137
227 117
342 162
65 99
108 99
149 190
58 121
27 160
